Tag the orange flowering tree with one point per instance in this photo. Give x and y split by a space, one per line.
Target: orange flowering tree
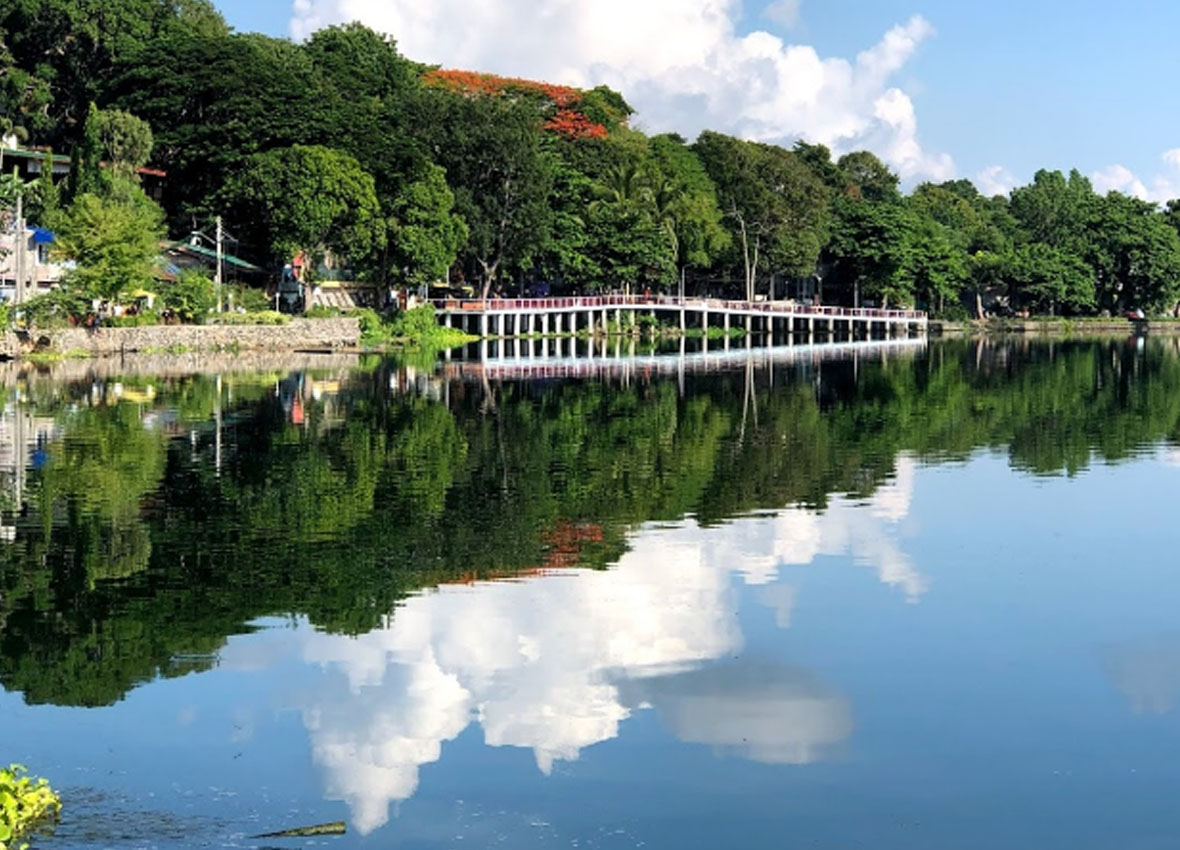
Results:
569 112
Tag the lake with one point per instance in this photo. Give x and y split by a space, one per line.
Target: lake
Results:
891 596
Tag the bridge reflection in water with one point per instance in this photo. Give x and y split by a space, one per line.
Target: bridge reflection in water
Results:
530 359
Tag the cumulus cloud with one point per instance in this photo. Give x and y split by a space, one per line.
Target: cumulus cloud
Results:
785 13
682 63
1163 186
995 180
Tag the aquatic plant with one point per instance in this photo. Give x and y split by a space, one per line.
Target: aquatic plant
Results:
25 804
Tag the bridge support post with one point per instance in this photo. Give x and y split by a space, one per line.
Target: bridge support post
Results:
683 320
619 318
725 323
447 320
590 322
749 324
483 326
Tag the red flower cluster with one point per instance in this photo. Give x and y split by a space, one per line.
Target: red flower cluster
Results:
575 125
567 121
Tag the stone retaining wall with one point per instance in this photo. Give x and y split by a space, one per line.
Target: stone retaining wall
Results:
297 335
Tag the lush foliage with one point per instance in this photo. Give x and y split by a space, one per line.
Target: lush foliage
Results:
25 803
410 175
307 200
113 238
189 298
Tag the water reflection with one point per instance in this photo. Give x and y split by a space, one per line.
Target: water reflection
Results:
654 632
148 519
763 712
1147 672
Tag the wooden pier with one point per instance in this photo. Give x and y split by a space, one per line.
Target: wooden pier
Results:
521 317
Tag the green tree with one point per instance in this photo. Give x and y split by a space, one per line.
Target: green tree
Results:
776 207
74 46
113 238
1055 209
125 141
934 264
425 235
213 102
1135 255
867 249
307 199
865 176
684 205
501 173
1045 279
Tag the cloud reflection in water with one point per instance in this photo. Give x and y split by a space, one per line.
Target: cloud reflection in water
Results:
555 663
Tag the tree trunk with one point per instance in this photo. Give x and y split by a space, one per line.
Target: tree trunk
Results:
489 276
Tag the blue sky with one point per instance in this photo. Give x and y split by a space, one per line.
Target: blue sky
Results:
1010 85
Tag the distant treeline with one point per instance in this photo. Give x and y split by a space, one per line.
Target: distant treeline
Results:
411 175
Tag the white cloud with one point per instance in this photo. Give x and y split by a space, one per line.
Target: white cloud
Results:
785 13
682 63
995 180
1163 186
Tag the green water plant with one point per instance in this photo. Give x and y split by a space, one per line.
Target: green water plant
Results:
25 804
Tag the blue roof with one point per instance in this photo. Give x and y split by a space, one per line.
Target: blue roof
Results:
43 236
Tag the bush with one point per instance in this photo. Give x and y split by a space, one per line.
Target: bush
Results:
374 331
56 308
139 320
248 298
191 297
25 804
321 311
260 317
417 323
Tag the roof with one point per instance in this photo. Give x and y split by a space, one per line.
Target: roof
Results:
210 254
59 159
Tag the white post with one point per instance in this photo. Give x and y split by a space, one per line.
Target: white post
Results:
217 273
19 259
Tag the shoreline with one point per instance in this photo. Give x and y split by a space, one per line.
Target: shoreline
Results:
334 334
1054 327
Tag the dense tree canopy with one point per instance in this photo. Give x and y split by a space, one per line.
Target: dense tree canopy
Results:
309 200
508 183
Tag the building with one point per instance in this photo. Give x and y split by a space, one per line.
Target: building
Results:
41 272
181 255
30 163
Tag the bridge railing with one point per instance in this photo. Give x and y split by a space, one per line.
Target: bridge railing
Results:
597 302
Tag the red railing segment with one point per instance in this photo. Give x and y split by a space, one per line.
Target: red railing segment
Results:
597 302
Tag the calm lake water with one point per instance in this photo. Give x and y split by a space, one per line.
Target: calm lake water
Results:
890 597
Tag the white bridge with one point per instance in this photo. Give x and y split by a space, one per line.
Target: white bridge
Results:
516 317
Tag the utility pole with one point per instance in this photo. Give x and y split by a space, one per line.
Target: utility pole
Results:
217 275
19 259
